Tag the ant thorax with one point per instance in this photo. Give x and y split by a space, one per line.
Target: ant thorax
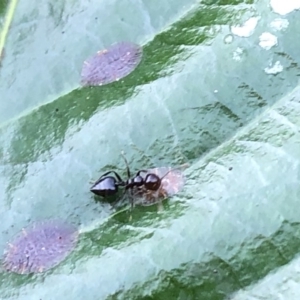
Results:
136 181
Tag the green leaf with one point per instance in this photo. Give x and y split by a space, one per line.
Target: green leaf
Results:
200 95
283 284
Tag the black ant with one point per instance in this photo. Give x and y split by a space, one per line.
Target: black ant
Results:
109 185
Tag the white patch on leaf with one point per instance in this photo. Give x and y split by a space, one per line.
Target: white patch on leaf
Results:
284 7
267 40
247 29
274 69
279 24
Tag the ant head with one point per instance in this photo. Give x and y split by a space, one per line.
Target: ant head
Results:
152 182
106 186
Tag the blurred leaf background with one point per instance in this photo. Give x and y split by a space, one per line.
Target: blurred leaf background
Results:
218 88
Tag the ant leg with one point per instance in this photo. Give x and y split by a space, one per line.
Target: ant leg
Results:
105 174
141 171
119 199
126 163
160 207
131 200
164 195
116 174
131 204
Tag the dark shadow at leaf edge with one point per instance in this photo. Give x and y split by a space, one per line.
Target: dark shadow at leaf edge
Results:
3 8
111 234
158 57
217 278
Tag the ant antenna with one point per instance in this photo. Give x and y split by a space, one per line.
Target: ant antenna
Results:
169 172
126 162
166 174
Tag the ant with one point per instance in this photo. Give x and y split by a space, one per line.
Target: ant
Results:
109 185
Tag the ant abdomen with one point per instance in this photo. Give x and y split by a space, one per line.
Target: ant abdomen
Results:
105 186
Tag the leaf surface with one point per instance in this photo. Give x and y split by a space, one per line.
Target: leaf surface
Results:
202 96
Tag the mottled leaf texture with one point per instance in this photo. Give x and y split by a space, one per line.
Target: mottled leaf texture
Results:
40 247
217 88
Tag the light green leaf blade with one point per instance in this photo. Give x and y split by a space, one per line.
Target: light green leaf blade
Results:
193 95
49 42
